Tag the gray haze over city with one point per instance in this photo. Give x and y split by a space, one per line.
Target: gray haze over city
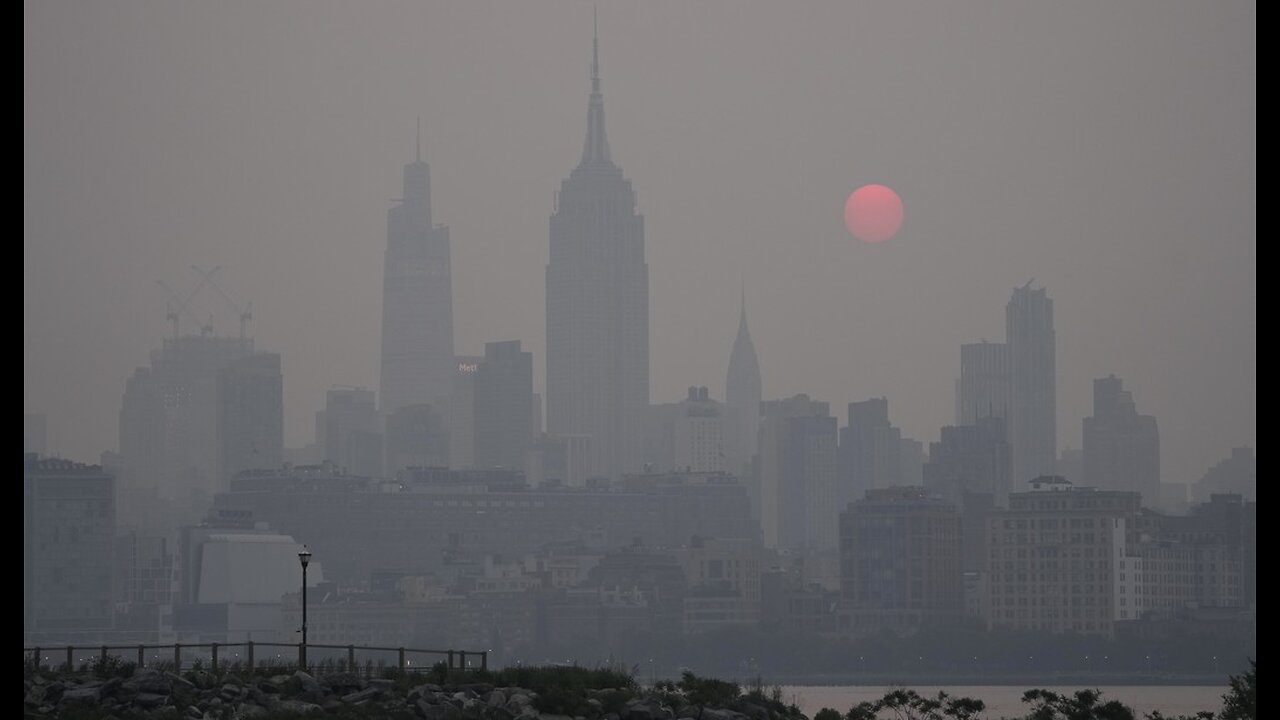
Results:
829 331
1106 151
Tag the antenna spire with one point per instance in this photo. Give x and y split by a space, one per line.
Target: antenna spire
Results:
417 142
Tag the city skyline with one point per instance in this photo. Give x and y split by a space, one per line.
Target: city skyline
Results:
789 244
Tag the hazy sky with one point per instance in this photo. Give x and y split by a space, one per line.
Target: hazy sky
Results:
1107 150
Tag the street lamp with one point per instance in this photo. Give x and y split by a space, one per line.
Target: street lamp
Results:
304 557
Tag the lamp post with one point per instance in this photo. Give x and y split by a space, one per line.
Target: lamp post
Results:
304 557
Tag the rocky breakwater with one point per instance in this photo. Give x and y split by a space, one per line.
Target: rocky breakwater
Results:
201 695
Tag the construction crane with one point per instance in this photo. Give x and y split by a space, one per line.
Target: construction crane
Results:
244 312
177 306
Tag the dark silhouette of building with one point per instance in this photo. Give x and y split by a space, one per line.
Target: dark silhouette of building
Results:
1236 474
504 407
1033 366
798 489
900 561
169 435
598 307
1121 447
416 436
351 431
68 535
870 450
970 459
742 396
250 415
417 299
986 382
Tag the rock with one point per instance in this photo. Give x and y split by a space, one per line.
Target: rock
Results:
639 712
194 713
496 698
753 711
148 700
384 684
298 706
309 683
549 716
441 711
528 712
81 696
149 681
35 696
478 689
268 687
111 687
229 692
518 700
344 682
251 711
362 696
499 713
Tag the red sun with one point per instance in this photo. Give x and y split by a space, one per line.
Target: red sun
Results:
873 213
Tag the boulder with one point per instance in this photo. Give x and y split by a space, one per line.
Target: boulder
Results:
344 682
88 695
147 700
496 698
362 696
298 706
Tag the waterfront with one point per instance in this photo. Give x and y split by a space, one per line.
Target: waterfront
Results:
1006 700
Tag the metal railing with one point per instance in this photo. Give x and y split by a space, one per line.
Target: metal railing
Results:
337 657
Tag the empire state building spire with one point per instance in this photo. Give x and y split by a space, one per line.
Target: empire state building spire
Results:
596 148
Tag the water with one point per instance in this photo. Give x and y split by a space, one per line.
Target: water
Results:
1006 700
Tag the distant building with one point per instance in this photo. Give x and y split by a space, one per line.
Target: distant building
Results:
428 518
144 586
250 415
416 436
1053 558
504 407
1121 447
235 576
985 386
598 307
462 411
1236 474
900 562
688 436
68 534
742 398
723 576
1033 432
798 489
970 459
417 300
912 459
169 438
352 430
870 450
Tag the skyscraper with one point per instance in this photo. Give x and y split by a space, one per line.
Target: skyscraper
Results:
250 415
169 437
870 450
742 396
797 497
598 306
69 526
417 300
985 382
1033 429
1121 447
504 407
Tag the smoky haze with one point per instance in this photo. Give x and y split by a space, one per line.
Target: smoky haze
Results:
1106 150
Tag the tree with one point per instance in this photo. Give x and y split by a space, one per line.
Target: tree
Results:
1241 702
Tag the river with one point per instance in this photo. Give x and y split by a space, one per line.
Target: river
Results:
1006 700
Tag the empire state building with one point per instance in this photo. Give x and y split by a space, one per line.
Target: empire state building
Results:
598 307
